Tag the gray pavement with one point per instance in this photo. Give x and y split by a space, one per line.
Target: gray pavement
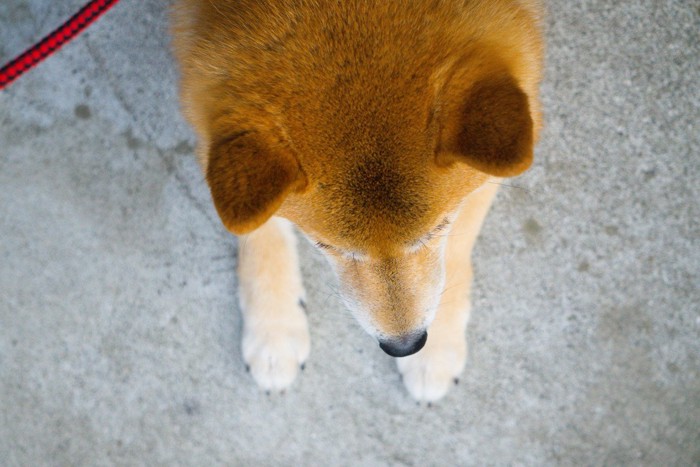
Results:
119 329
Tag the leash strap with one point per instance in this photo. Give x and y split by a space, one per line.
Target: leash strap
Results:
49 44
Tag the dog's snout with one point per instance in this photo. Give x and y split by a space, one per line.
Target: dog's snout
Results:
404 345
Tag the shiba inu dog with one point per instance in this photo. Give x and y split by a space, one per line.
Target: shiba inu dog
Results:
375 128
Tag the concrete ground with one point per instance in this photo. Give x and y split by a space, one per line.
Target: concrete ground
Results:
119 329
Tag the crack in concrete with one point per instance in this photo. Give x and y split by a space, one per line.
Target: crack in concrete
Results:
182 183
184 186
104 70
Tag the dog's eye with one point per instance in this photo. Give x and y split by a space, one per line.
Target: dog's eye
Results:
353 256
440 227
420 243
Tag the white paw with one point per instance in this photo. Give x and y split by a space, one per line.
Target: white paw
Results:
430 373
275 348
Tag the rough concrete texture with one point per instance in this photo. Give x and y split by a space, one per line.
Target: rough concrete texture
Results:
119 329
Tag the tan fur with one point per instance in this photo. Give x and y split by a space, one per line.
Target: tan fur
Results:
366 124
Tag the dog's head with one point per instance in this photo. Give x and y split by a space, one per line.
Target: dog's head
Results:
374 177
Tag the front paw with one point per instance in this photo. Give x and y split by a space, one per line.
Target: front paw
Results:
430 373
274 349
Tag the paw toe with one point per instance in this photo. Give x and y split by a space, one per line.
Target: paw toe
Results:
429 374
273 372
427 385
275 358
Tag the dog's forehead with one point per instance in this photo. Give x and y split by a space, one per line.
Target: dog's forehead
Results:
381 187
373 203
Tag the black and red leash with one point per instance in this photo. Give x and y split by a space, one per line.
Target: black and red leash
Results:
49 44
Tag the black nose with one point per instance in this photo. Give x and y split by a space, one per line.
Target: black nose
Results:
404 346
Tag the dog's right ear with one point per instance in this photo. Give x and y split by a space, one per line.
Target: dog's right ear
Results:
249 176
491 128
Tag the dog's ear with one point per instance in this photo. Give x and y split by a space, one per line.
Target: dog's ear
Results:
249 176
490 129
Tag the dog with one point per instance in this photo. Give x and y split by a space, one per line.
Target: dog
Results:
380 130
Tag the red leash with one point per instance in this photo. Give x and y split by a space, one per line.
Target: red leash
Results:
49 44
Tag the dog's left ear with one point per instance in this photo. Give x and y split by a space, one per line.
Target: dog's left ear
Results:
249 175
490 129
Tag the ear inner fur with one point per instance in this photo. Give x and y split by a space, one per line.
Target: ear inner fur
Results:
249 179
492 130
